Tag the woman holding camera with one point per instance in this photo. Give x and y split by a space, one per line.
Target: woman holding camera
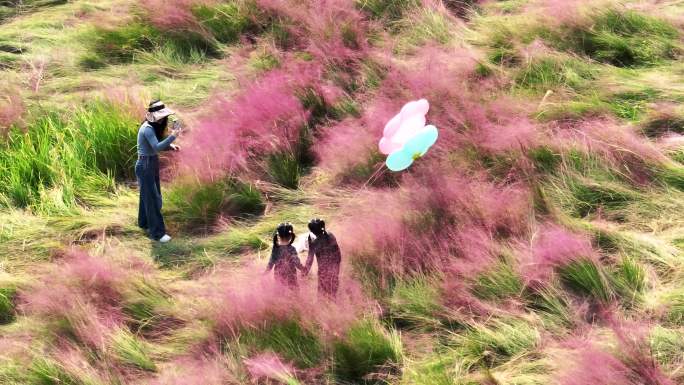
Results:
150 141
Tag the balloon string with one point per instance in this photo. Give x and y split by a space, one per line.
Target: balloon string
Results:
375 175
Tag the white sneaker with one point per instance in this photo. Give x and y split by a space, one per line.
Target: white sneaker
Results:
165 238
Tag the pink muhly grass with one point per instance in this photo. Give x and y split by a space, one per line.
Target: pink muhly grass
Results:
173 15
130 100
553 247
354 142
571 13
471 201
508 128
457 107
635 351
249 300
265 118
457 296
11 109
589 365
431 220
333 31
74 362
194 371
269 366
627 152
85 292
373 231
433 73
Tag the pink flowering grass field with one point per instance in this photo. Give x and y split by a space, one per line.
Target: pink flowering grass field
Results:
539 240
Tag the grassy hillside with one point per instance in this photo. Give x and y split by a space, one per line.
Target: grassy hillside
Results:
540 241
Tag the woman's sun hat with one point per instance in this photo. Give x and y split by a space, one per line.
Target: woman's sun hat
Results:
157 111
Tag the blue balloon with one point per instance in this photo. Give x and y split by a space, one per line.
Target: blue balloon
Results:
416 147
399 160
421 143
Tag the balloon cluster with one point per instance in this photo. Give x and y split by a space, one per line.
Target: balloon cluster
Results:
406 137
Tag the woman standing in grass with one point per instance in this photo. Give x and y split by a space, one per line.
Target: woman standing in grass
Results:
150 142
324 246
284 259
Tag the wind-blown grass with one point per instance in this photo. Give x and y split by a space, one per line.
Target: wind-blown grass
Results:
65 159
197 205
132 351
367 349
625 39
494 343
415 303
7 297
489 255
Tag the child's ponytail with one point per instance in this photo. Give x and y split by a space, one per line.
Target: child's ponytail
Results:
317 227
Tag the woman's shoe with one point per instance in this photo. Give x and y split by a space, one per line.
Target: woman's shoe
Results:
165 238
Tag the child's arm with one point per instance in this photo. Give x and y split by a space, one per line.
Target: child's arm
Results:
271 260
309 258
295 260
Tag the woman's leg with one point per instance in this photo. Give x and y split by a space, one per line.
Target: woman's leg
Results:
157 183
151 197
142 217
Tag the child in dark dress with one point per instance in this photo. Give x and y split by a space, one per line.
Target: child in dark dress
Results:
284 259
328 255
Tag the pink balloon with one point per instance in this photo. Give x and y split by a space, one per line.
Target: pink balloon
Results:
418 107
403 126
392 126
387 146
408 128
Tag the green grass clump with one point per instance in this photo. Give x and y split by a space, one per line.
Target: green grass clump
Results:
285 169
386 9
137 40
672 175
146 306
428 25
290 340
552 303
7 312
662 124
499 283
367 349
120 45
584 277
228 21
181 253
674 301
235 241
667 346
47 371
631 105
623 38
589 197
65 159
496 342
10 8
415 303
628 279
545 159
130 350
550 72
196 205
12 373
264 60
